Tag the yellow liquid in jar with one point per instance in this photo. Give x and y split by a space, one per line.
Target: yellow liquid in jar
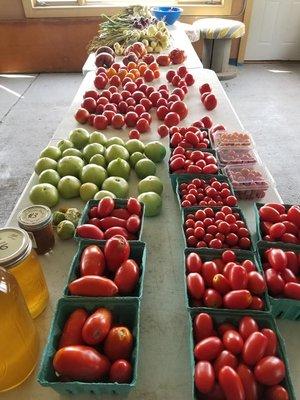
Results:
19 346
32 282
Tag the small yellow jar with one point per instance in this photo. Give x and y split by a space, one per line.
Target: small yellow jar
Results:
18 258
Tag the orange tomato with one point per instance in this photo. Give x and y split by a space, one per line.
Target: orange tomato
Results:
111 72
122 73
130 75
142 69
131 65
154 66
156 74
135 72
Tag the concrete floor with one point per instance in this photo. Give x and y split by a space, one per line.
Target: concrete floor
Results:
265 97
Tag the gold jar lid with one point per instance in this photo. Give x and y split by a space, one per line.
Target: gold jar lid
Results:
34 218
15 245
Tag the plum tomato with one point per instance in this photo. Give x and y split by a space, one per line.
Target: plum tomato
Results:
225 358
71 334
221 284
204 376
277 259
249 382
238 277
208 349
231 384
239 299
92 261
118 343
254 348
269 371
97 326
195 285
116 251
272 342
203 326
233 341
120 371
276 392
247 326
212 298
127 276
105 207
193 263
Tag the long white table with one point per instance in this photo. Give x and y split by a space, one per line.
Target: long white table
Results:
164 365
178 39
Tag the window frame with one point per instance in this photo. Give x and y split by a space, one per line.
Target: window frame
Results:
81 9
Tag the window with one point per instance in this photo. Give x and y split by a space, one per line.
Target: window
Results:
87 8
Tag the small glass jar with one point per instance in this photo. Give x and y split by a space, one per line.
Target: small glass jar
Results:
37 221
19 344
18 257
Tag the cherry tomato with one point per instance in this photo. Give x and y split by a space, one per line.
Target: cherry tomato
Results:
228 256
248 381
272 342
71 333
231 384
203 326
212 298
269 371
131 118
254 348
195 285
116 251
239 299
118 343
238 277
142 125
171 119
292 290
97 326
204 376
247 326
233 341
225 358
120 371
277 259
208 349
276 392
92 261
81 363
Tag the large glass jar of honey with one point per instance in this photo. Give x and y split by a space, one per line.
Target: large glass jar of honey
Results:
18 257
19 345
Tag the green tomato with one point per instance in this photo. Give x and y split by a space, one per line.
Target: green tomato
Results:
115 140
135 157
70 165
44 163
91 149
155 151
72 152
116 151
118 186
134 145
145 167
57 217
49 176
98 159
64 144
119 167
98 137
44 194
152 203
65 230
69 187
104 193
88 191
79 137
151 184
94 174
51 152
73 214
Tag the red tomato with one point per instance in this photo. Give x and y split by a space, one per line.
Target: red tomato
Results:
131 118
193 263
171 119
248 265
195 285
292 262
180 108
293 215
228 256
239 299
233 341
288 276
120 372
81 363
142 125
231 384
118 343
238 277
277 259
116 251
89 231
276 392
205 88
92 261
277 230
209 270
121 213
93 286
248 382
133 223
256 283
110 222
247 326
225 358
163 131
105 207
272 342
203 326
71 333
254 348
225 327
269 371
116 231
134 206
292 290
204 376
97 326
127 277
274 281
257 303
221 284
212 298
208 349
269 214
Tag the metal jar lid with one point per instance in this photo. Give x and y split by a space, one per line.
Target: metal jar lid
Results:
15 245
34 218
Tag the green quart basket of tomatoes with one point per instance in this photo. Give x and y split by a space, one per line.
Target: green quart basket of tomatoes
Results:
187 178
116 220
283 283
210 295
281 224
228 362
87 253
76 359
235 240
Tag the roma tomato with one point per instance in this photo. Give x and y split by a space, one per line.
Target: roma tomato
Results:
134 206
256 283
120 371
221 284
89 231
92 261
277 230
193 263
121 213
239 299
233 341
93 286
116 231
111 222
272 342
231 384
212 298
133 223
293 215
71 334
203 326
118 343
269 371
254 348
195 285
225 358
292 290
238 277
81 363
247 326
274 281
116 251
276 392
127 277
209 270
208 349
269 214
105 207
226 326
204 376
248 381
97 326
277 259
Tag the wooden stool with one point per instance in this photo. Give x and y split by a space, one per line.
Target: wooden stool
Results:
217 34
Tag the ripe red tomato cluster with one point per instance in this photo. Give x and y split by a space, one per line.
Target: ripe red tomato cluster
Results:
278 223
189 138
237 362
180 78
216 229
106 221
79 357
208 99
206 192
106 273
282 271
192 162
224 282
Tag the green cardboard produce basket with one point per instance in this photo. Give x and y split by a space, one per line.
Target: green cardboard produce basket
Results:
263 320
283 245
174 175
209 255
137 253
125 313
119 203
186 178
281 307
190 210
